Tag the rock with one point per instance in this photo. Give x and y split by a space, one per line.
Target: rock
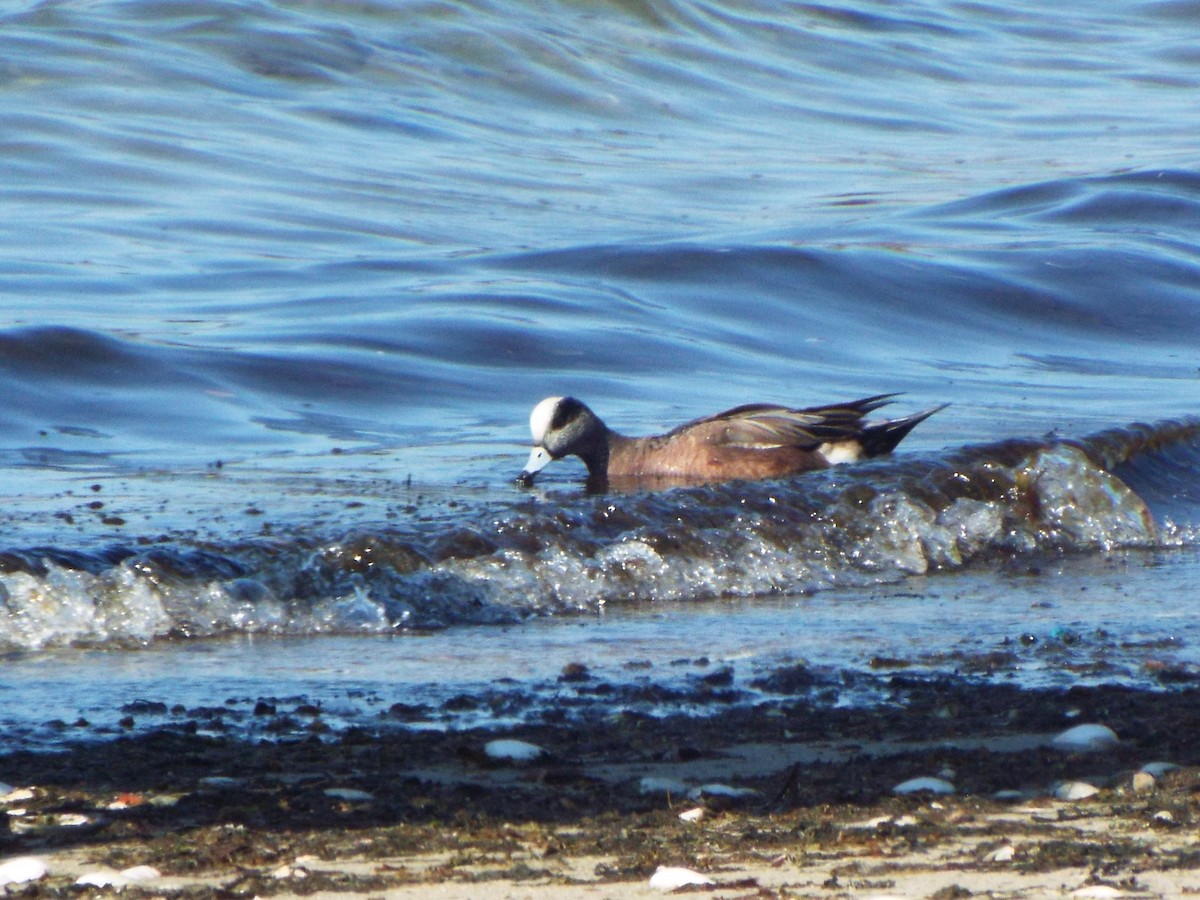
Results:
16 795
668 878
1089 738
21 869
140 873
511 750
100 878
108 878
1142 782
695 814
1002 854
1075 790
928 785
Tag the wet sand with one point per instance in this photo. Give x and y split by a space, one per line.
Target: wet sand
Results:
393 812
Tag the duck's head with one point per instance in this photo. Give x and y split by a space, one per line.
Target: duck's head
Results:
562 426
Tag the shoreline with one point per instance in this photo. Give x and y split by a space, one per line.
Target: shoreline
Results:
805 808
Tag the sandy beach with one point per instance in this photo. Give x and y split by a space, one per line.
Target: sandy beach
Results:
783 799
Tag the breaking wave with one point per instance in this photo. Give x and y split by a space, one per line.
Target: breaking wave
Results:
556 554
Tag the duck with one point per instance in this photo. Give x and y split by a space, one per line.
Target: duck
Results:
749 442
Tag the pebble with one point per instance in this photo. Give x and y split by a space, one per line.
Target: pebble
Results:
695 814
880 821
141 873
668 878
1075 790
927 784
15 795
21 869
513 750
1142 782
22 825
283 872
108 878
1089 738
1002 854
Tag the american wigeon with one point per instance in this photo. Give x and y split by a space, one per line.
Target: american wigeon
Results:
757 440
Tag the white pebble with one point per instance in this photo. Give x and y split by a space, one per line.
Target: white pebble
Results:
69 820
350 794
667 878
1002 854
929 785
1075 790
109 878
1086 739
1101 891
654 785
20 869
870 824
16 795
100 878
140 873
513 750
1164 815
695 814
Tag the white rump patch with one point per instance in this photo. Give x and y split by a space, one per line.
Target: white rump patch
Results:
841 452
541 417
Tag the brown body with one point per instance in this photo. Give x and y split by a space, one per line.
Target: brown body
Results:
747 442
703 453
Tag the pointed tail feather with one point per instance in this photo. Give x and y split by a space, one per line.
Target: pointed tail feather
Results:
881 439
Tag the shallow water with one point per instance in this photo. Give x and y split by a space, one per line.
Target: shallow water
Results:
283 281
1110 620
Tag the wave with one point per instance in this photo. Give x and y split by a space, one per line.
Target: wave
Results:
552 554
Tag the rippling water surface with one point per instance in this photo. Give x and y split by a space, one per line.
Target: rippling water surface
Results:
282 280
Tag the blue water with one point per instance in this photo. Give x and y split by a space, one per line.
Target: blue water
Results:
281 282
